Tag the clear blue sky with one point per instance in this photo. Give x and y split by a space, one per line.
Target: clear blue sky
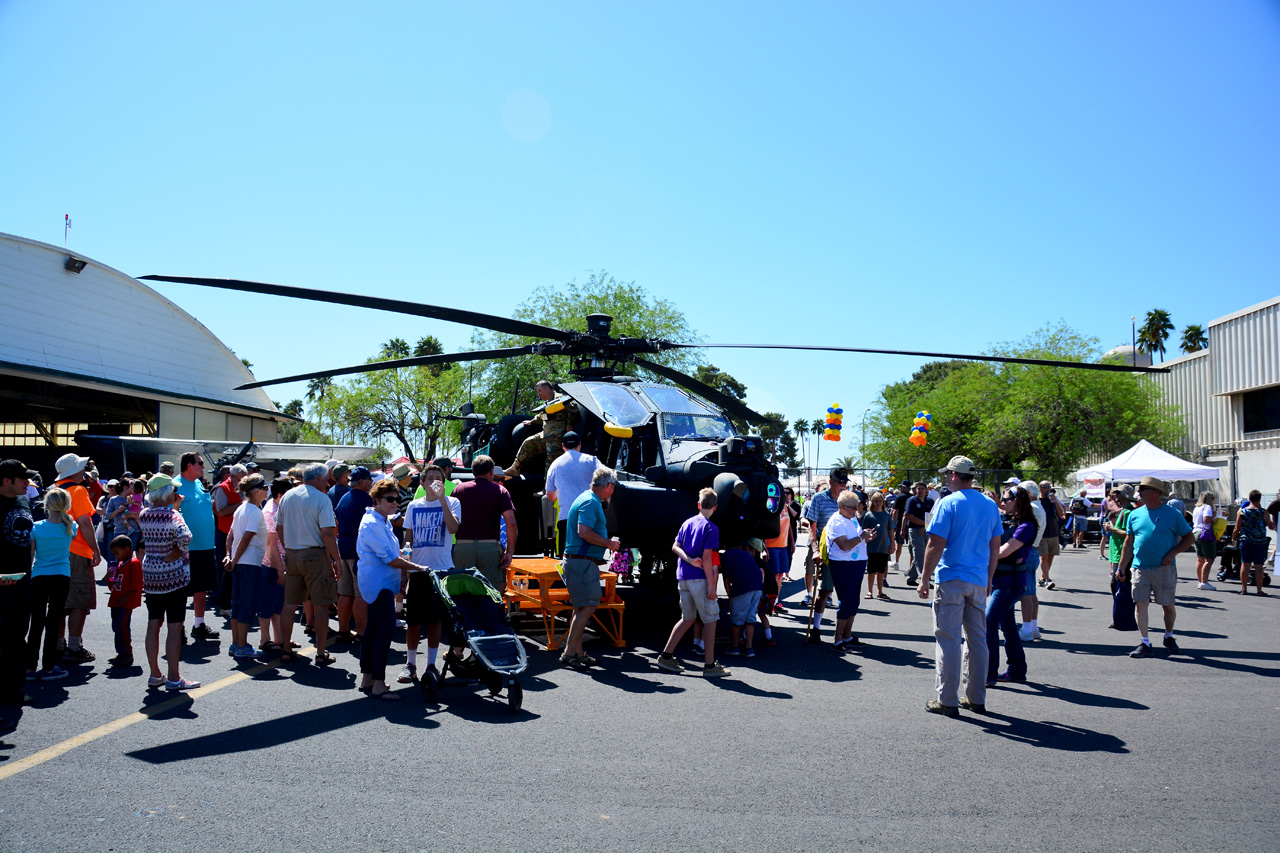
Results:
938 176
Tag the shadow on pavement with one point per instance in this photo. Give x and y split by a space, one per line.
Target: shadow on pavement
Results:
1048 735
1077 697
293 727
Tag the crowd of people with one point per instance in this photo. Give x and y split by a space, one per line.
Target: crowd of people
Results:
347 543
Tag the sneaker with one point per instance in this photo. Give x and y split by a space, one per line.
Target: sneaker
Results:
699 649
815 636
247 652
1172 645
1040 582
1007 678
1025 634
121 661
204 632
181 684
767 642
714 670
1049 584
80 655
407 674
933 706
400 623
233 650
670 664
155 680
53 674
853 641
1208 586
973 706
894 564
750 653
808 599
1142 651
839 645
913 581
1035 635
31 675
735 651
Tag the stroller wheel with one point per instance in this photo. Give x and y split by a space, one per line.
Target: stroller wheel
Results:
494 682
515 695
429 686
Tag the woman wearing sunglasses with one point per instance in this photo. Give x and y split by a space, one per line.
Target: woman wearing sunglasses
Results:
1007 587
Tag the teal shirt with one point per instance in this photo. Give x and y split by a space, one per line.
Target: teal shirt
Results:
1155 532
197 512
587 510
53 549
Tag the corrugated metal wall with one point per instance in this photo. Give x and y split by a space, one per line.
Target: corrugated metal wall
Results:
1246 348
1209 419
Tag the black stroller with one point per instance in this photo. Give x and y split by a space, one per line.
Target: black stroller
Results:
477 621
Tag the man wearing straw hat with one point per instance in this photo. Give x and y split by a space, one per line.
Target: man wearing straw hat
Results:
1156 533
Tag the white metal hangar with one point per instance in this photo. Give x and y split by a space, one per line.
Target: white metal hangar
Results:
63 372
1229 397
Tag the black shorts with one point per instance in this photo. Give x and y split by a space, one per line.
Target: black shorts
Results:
877 564
169 606
422 603
204 571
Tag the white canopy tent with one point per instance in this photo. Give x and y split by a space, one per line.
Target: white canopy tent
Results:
1144 459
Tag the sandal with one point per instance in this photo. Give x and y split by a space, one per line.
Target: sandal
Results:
868 596
386 695
270 647
290 656
884 597
324 659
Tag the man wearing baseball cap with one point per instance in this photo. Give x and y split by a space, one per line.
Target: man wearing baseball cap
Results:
1156 533
964 546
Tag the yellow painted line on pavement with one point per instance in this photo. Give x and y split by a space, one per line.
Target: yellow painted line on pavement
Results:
124 722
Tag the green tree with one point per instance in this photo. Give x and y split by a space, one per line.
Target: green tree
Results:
405 403
780 446
1014 415
721 381
635 314
1155 331
1194 339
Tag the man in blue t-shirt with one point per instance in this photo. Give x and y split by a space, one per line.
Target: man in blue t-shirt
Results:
348 513
914 511
964 546
697 546
197 512
1155 534
586 542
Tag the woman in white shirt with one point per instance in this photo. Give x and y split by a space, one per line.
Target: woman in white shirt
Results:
1206 543
846 566
246 546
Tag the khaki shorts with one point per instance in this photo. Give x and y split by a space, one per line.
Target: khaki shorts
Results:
694 603
485 557
348 583
1161 580
83 594
309 576
1050 546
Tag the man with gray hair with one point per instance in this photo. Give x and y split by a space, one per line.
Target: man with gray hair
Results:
586 541
306 527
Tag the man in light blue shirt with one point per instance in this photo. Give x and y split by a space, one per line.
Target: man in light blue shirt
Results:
567 479
1155 534
197 511
964 545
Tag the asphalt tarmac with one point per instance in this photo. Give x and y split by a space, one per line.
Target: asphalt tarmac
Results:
801 748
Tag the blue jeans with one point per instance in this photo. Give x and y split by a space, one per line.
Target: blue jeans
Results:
1006 592
120 626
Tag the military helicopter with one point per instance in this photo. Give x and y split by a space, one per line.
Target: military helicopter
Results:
666 441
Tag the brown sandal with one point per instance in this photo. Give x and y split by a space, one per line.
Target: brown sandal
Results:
324 659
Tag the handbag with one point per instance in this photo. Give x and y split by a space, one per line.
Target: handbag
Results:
1123 614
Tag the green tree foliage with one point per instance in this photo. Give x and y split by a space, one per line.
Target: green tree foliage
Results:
405 404
1155 331
1014 415
635 314
780 444
721 381
1194 338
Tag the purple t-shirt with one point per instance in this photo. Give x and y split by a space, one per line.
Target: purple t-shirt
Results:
1026 534
696 535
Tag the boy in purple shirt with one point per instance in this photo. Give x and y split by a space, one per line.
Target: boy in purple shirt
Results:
696 545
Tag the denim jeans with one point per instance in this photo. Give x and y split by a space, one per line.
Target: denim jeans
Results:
1006 592
121 628
919 541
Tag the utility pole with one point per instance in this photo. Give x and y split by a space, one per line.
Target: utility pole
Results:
862 451
1133 331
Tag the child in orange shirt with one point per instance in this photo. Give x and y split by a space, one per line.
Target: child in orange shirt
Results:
126 596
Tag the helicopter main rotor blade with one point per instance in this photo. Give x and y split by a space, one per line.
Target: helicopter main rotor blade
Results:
702 389
391 364
1009 359
435 312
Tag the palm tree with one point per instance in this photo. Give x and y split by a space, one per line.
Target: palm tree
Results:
801 428
1155 331
816 427
1194 339
316 390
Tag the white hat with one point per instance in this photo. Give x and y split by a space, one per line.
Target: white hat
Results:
69 465
1012 481
331 463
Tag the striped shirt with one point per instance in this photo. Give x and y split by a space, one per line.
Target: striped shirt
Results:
818 510
162 529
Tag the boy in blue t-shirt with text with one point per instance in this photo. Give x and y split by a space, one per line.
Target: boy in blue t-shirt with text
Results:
697 545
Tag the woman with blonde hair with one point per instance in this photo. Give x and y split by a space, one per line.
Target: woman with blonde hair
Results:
50 582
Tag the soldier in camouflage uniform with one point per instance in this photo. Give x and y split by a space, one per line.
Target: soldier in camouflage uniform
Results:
549 441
